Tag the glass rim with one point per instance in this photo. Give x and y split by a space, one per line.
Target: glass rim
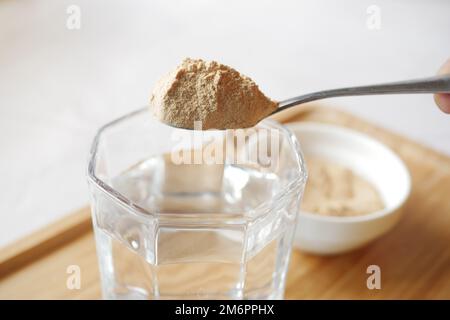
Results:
261 210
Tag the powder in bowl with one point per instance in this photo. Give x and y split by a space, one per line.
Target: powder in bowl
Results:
335 190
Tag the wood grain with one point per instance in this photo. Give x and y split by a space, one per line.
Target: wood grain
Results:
414 257
43 241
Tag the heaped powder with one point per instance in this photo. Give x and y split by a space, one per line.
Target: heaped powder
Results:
207 91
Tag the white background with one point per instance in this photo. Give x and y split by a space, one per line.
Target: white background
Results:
58 85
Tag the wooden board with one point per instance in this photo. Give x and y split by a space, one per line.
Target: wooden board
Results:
414 257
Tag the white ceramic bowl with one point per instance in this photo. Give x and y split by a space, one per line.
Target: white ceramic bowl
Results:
370 159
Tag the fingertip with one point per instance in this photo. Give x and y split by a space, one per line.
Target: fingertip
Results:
443 102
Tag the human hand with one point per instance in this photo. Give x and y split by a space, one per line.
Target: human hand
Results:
443 99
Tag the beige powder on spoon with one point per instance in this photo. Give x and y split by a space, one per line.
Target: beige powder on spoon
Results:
207 91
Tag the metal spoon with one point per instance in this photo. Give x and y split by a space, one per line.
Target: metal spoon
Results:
436 84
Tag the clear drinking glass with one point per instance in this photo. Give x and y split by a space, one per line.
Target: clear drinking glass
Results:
182 214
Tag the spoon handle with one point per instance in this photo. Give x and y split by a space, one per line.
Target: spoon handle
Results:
436 84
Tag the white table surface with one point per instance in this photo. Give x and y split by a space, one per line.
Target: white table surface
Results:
58 85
